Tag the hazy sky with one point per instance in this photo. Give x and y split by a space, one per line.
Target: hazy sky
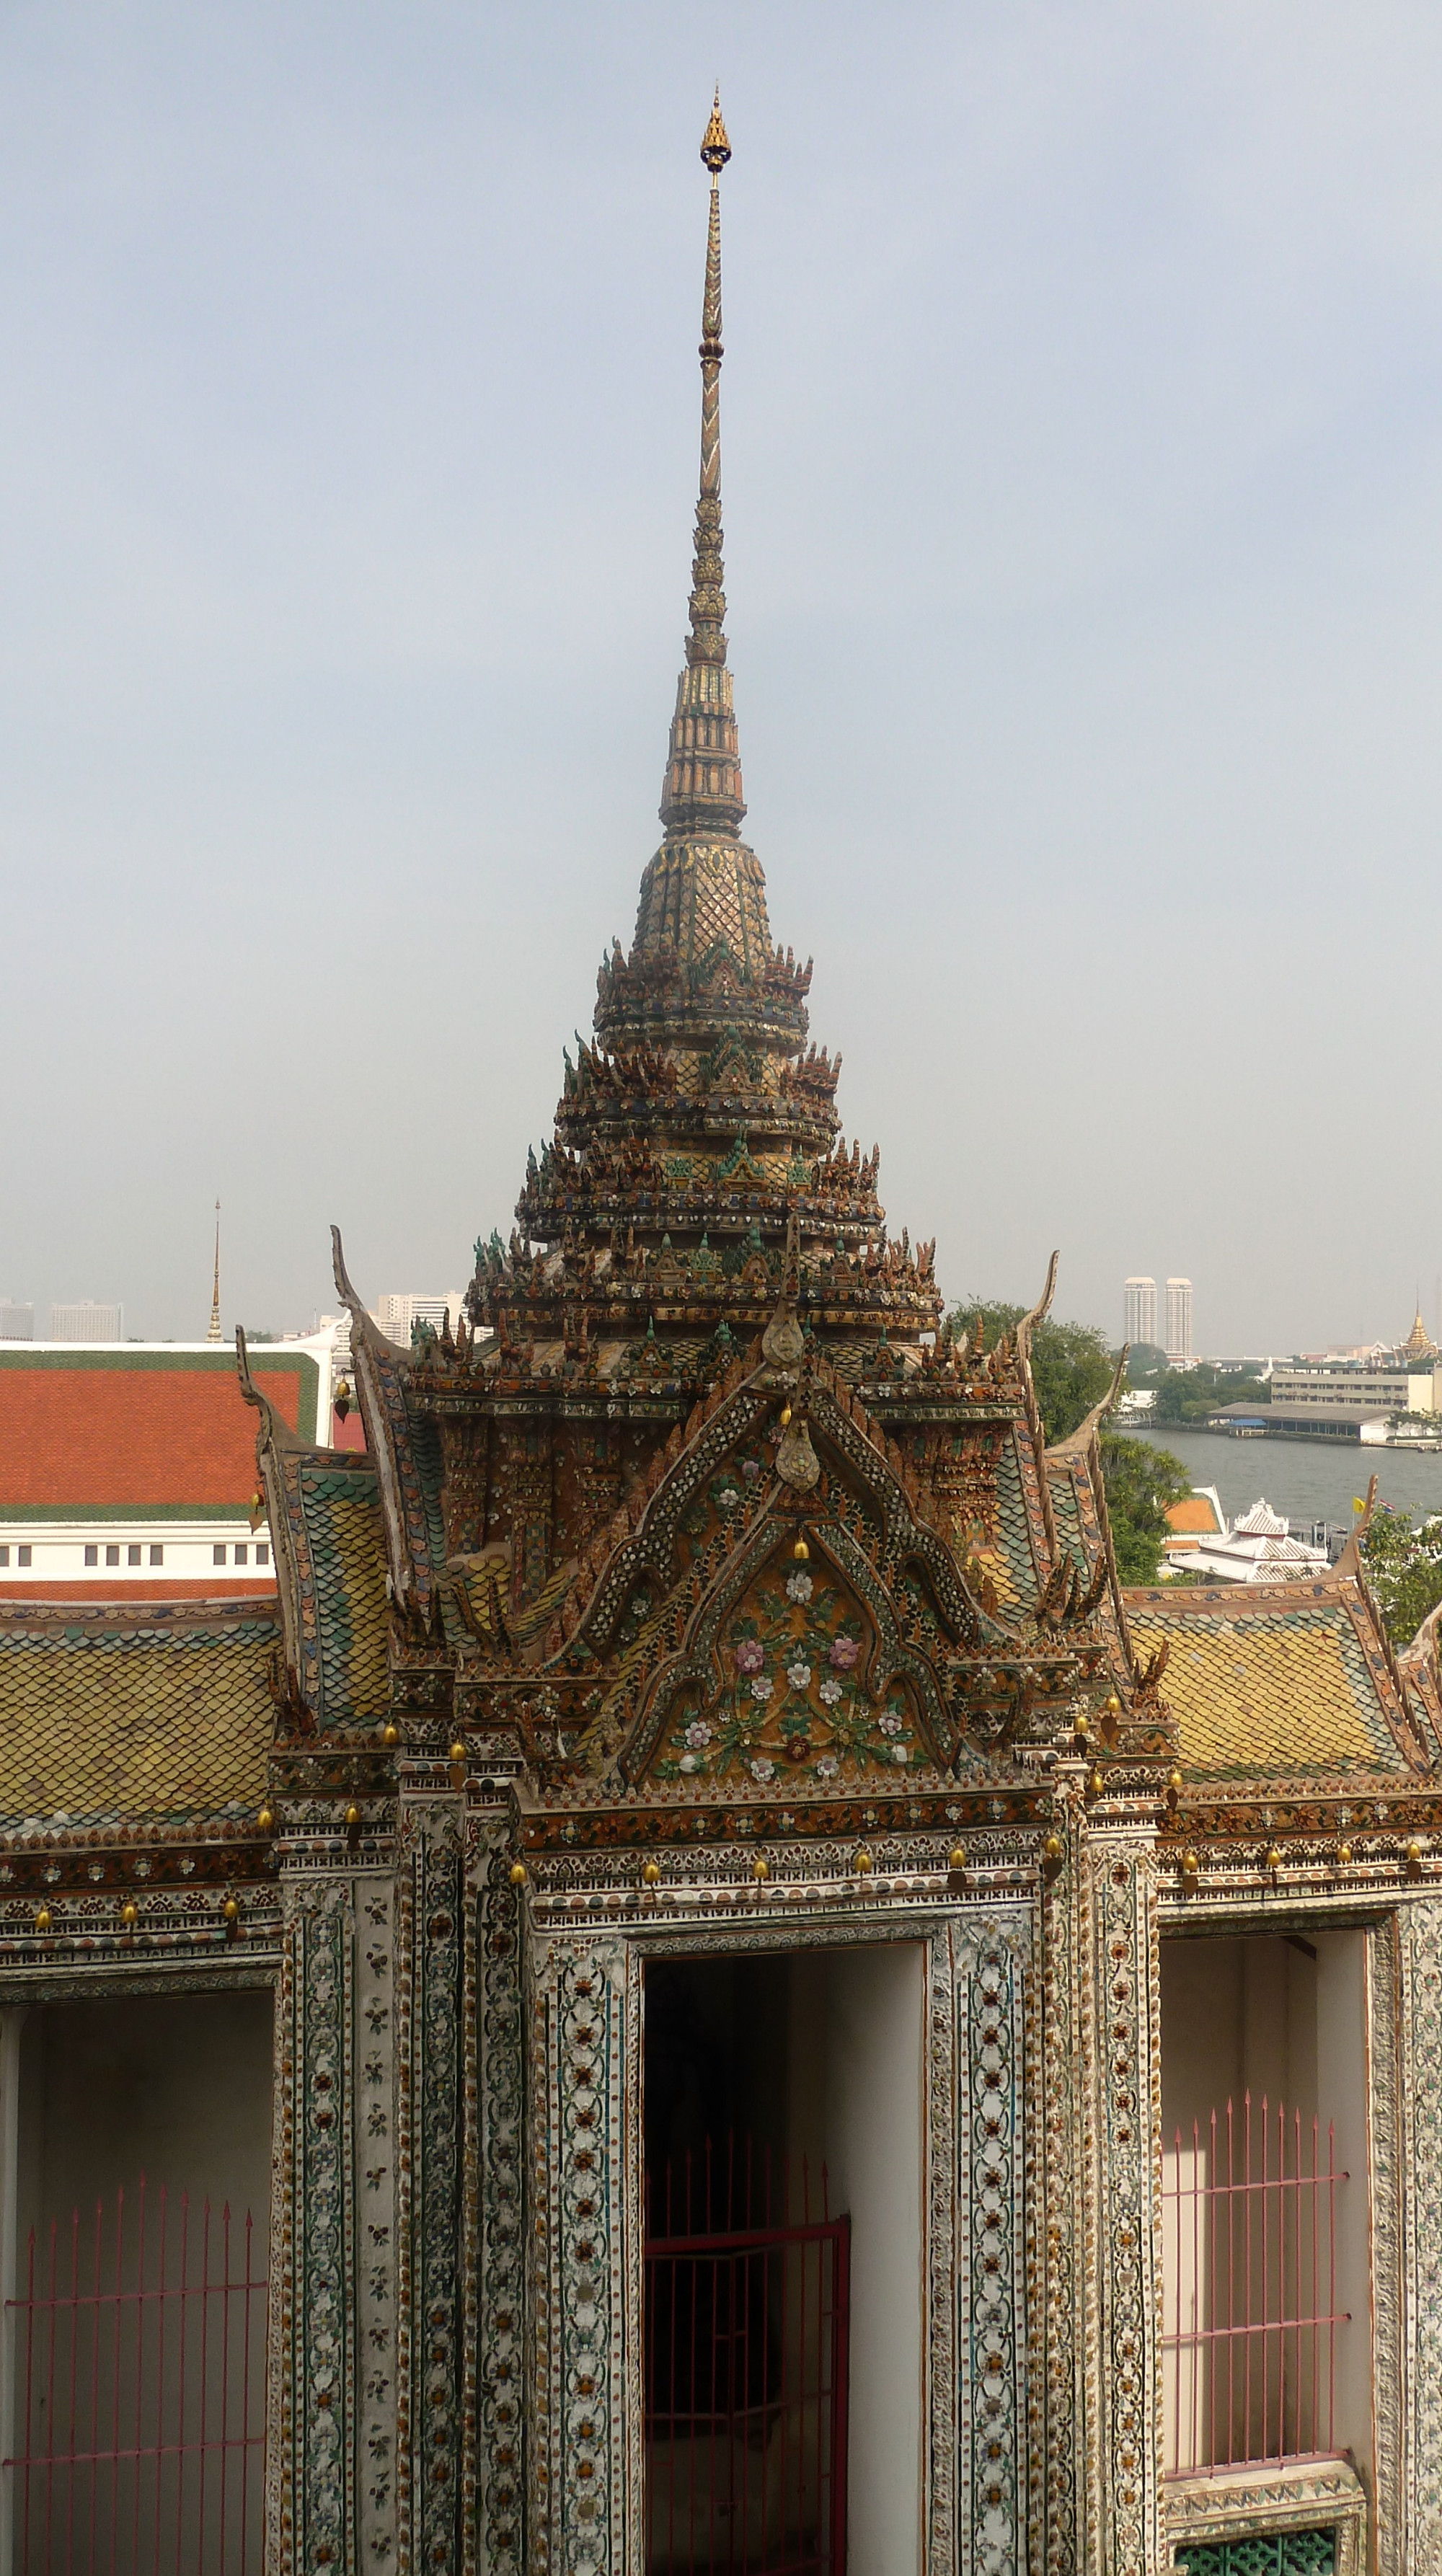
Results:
1082 461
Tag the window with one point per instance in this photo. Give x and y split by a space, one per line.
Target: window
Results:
112 1556
4 1555
92 1556
262 1554
157 1556
132 1556
22 1556
240 1555
217 1555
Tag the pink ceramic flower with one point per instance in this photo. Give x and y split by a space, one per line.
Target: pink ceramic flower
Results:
844 1651
750 1655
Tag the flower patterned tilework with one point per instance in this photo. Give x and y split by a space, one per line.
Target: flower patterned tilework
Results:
167 1716
794 1699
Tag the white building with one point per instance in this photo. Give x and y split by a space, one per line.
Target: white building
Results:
87 1321
399 1315
1257 1548
17 1323
1141 1309
1179 1322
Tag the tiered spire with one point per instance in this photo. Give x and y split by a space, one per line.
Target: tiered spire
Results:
697 1170
703 774
214 1334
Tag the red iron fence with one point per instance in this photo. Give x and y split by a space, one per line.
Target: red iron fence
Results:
1250 2289
747 2305
139 2372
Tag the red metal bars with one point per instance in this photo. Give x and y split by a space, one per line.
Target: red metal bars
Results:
746 2372
140 2423
1250 2290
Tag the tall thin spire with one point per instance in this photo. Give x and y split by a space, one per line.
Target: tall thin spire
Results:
703 774
214 1334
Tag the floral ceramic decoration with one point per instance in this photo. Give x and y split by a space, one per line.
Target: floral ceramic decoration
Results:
793 1696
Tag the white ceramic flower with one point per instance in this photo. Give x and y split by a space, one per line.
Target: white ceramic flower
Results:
761 1687
698 1733
831 1691
690 1761
827 1767
763 1770
799 1676
889 1723
798 1587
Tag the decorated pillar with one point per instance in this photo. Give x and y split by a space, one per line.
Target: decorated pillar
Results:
330 2063
1103 2163
428 2185
983 2220
587 2465
1419 2084
494 2289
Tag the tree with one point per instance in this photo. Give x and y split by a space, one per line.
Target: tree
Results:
1146 1364
1071 1370
1071 1367
1193 1394
1404 1569
1140 1482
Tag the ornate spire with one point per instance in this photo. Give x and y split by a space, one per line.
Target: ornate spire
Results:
703 775
214 1333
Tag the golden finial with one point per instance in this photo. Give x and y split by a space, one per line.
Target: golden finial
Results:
716 143
214 1333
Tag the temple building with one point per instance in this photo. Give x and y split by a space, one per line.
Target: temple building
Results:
693 1986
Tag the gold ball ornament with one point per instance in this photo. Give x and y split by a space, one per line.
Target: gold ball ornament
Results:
352 1819
760 1869
458 1751
1274 1857
801 1551
863 1863
42 1918
1174 1786
1344 1855
785 1415
390 1734
231 1910
518 1873
1190 1864
266 1821
1096 1784
1414 1855
956 1858
1051 1849
129 1916
652 1873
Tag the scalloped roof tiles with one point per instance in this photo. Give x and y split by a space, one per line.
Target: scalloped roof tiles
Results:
1257 1689
169 1715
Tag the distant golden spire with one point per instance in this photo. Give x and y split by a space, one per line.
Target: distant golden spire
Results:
214 1333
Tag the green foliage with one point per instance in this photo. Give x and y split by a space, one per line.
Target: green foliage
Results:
1191 1395
253 1337
1146 1364
1404 1569
1140 1482
1071 1367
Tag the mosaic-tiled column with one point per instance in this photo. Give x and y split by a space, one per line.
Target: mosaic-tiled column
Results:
1419 2084
585 2470
311 2499
428 2180
990 2250
1118 2101
494 2287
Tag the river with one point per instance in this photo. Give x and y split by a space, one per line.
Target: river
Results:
1304 1480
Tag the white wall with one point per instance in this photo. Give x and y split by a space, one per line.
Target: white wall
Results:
857 2101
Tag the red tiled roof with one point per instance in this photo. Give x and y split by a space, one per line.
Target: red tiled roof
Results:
1193 1513
138 1432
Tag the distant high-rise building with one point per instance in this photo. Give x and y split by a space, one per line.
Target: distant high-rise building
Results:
87 1321
399 1316
1141 1311
1179 1322
17 1323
